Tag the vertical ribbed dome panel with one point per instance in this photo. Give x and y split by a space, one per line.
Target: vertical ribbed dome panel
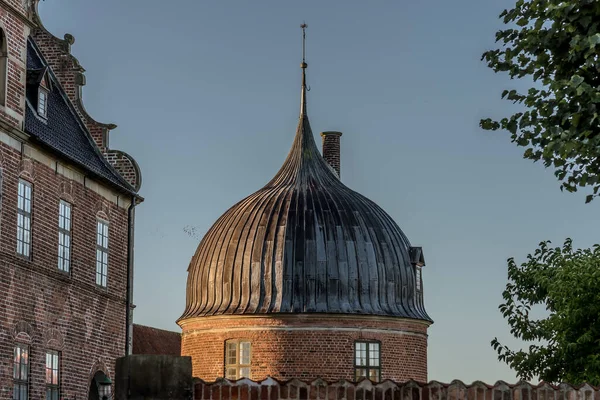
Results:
304 243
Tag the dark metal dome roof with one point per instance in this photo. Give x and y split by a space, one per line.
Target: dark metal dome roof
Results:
304 243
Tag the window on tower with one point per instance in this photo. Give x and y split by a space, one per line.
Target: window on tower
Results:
418 274
237 359
367 361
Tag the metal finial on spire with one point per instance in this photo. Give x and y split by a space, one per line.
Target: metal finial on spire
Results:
303 66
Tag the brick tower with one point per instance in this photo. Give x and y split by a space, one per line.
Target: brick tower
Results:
306 278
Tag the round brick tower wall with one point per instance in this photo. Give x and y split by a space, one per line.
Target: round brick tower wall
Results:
306 346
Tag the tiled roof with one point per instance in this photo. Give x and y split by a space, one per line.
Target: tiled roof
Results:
148 340
63 130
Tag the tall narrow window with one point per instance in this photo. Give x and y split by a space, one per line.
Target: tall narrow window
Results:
237 359
3 67
418 274
367 361
52 375
101 253
24 219
21 372
42 102
64 236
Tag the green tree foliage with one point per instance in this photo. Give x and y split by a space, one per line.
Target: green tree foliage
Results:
565 344
557 44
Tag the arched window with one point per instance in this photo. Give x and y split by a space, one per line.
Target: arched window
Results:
3 67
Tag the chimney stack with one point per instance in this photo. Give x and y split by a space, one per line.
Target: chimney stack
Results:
331 149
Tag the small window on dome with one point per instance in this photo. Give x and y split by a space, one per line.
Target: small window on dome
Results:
237 359
419 278
42 108
367 361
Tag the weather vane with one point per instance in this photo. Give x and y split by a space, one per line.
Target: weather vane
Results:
304 26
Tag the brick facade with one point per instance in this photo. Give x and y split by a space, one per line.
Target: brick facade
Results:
306 346
48 309
40 306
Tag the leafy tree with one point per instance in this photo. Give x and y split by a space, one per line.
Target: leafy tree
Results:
566 343
556 43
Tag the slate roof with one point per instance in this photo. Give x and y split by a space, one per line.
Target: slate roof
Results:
62 130
148 340
304 243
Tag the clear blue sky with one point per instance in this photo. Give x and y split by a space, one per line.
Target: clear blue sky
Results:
206 97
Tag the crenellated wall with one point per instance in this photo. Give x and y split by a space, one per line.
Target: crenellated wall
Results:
271 389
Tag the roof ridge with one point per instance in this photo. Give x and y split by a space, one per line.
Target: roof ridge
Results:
156 329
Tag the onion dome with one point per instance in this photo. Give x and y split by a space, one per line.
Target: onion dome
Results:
305 243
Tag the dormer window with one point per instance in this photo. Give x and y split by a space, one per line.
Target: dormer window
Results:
42 106
39 86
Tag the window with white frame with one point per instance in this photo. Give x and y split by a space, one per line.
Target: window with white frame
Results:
24 219
52 375
418 274
367 361
21 372
101 253
64 236
237 359
42 108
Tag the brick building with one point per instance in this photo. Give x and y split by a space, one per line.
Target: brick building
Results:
306 278
66 221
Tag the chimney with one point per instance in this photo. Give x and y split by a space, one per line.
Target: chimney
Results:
331 149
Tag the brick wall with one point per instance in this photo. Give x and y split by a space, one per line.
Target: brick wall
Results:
48 309
272 389
15 31
306 347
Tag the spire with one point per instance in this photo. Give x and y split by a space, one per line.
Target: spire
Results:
303 66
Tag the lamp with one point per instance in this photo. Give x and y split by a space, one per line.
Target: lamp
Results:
104 387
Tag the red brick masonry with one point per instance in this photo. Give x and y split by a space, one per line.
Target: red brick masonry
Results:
272 389
306 346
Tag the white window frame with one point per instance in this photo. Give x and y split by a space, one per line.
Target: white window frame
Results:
419 277
64 236
42 106
52 375
238 359
24 203
367 360
21 372
101 252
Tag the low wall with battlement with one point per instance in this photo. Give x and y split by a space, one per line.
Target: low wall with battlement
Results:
271 389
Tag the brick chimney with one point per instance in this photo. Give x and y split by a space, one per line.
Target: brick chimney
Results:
331 149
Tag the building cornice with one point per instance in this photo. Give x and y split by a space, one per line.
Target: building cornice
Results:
302 318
